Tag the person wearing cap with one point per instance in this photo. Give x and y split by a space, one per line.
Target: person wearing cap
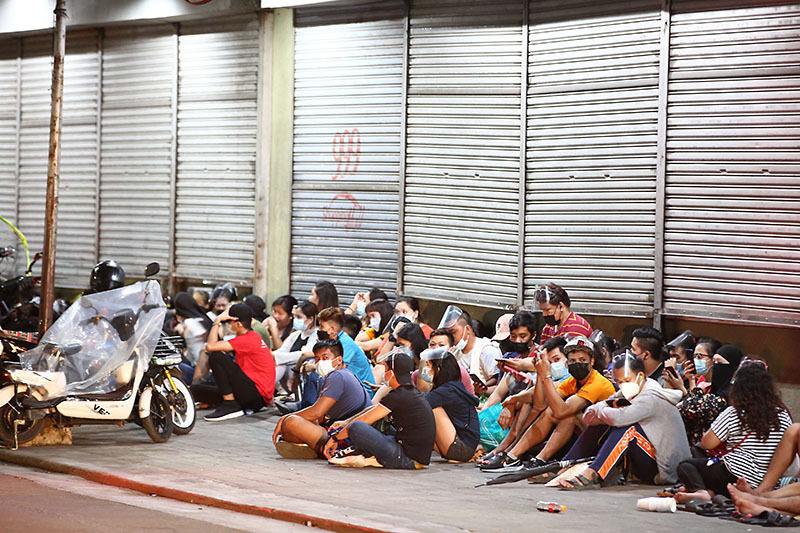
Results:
457 427
559 319
257 306
408 412
561 405
639 422
342 396
248 383
477 354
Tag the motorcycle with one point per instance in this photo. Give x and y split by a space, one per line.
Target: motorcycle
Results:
92 367
166 358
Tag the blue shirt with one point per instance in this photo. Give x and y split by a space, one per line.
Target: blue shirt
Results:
356 361
348 392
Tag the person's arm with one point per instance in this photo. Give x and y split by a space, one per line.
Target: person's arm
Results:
317 412
719 431
539 400
369 345
710 440
499 393
369 416
602 413
274 334
214 344
561 409
520 364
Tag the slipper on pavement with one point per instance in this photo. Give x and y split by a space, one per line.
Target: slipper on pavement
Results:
291 450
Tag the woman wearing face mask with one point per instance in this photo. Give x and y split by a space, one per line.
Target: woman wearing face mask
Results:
705 397
300 341
639 422
409 308
379 313
194 328
457 427
440 338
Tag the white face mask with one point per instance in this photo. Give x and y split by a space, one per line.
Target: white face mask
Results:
375 323
459 347
630 389
324 367
558 370
299 324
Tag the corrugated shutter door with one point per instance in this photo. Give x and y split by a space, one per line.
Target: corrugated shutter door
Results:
215 208
591 153
136 158
462 160
348 97
732 241
9 77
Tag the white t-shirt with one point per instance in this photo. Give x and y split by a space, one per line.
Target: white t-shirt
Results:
481 359
195 335
284 355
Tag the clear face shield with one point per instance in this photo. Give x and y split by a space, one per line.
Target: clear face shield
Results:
405 350
632 385
685 339
450 317
434 354
596 336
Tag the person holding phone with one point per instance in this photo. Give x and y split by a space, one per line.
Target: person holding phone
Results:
639 422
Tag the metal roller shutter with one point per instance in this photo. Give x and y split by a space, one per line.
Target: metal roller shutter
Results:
591 152
732 238
347 129
215 198
139 67
463 151
9 102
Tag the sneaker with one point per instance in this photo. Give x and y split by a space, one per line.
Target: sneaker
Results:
515 465
355 461
228 409
493 462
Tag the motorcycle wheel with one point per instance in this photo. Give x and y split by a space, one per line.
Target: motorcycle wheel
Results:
26 432
184 413
158 424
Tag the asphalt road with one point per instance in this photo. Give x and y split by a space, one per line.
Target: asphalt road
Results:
33 500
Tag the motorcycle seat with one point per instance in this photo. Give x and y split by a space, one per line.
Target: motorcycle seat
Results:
117 394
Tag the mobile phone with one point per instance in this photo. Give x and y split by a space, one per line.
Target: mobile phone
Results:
475 379
672 371
619 402
371 385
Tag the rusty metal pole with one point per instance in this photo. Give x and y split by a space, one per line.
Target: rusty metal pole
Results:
53 164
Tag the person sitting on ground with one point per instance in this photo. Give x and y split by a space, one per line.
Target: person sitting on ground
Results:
457 427
223 296
299 342
766 497
257 307
279 323
358 306
409 336
639 422
477 354
742 440
560 321
342 396
203 299
681 349
352 326
247 384
379 313
648 345
408 306
408 412
193 326
324 295
512 418
561 406
440 338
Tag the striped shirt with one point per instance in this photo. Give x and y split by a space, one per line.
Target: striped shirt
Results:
573 325
752 457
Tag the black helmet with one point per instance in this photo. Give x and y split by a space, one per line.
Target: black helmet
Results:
228 290
106 275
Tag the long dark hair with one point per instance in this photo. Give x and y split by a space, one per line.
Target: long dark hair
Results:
756 400
413 334
327 295
384 308
447 370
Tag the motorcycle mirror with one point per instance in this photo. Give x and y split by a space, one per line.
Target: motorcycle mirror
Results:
152 269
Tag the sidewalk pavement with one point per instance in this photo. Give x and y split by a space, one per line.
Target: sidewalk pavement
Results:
234 465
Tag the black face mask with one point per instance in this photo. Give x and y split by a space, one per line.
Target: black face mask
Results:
579 371
518 347
550 320
322 335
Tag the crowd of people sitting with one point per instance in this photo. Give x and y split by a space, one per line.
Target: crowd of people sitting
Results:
371 384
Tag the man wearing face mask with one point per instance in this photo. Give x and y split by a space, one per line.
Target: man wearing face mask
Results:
648 345
331 322
560 406
341 397
640 422
477 354
559 320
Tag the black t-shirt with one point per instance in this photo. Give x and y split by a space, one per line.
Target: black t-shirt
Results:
460 408
413 418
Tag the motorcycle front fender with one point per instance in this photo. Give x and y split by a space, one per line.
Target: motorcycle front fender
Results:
7 392
144 402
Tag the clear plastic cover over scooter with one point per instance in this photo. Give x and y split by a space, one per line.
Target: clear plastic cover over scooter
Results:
100 340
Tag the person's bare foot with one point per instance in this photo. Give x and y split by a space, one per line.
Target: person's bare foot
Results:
744 486
749 507
738 495
684 497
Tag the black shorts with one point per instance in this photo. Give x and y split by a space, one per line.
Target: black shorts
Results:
458 451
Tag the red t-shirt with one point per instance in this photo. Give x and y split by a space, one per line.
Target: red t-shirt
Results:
573 325
257 362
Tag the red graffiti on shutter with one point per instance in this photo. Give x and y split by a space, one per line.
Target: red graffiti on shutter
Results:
344 211
346 152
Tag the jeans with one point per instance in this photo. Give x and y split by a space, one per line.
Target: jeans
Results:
385 448
619 442
312 386
696 474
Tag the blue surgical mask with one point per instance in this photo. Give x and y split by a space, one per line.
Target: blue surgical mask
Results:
700 366
426 375
558 370
361 309
299 324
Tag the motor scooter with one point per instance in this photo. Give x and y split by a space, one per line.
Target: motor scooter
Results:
91 367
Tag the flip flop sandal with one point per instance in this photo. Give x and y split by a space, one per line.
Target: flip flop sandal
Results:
693 504
542 478
290 450
670 492
714 510
581 482
767 518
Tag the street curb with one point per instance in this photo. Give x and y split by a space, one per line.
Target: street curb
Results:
184 496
